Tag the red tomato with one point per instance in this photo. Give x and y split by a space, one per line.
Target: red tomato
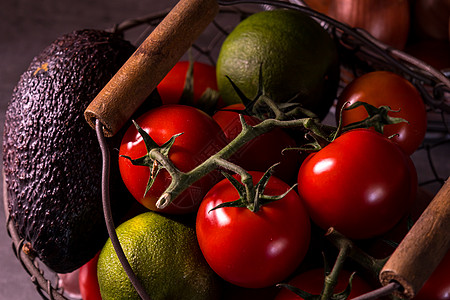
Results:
263 151
201 138
385 244
312 282
386 88
253 249
87 278
360 184
171 87
437 287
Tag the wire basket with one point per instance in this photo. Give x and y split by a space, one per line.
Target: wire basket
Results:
361 53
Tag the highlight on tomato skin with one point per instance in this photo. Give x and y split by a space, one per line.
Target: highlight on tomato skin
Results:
386 88
360 184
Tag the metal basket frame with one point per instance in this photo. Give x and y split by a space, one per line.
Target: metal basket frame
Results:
361 53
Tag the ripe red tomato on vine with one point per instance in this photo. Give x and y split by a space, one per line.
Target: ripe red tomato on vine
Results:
200 138
253 249
387 88
360 184
203 78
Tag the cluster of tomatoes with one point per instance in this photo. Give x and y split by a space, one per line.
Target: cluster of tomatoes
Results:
362 183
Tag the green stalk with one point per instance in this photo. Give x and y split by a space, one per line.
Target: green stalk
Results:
182 180
345 247
321 133
246 178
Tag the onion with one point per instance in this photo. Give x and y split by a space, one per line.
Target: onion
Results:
387 20
319 5
431 19
432 51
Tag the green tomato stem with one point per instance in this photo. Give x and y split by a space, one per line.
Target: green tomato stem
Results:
182 180
373 265
323 135
246 178
331 280
279 115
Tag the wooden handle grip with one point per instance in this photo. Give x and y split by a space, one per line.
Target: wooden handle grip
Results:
423 247
148 65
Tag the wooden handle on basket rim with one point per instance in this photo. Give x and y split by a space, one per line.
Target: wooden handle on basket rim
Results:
423 247
148 65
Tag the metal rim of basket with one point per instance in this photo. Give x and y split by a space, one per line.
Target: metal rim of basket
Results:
434 86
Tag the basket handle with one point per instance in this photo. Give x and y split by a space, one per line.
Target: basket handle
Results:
423 247
148 65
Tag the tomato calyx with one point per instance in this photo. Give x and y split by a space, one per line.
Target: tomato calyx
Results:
153 151
377 117
323 135
263 107
251 196
207 101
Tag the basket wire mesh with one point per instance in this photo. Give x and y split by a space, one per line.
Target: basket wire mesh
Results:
360 53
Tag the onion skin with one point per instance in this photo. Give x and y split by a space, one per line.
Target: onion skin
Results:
431 19
319 5
432 51
386 20
429 39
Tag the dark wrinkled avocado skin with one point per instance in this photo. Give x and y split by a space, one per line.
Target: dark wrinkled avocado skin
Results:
52 161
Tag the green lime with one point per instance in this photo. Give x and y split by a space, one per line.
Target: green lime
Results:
164 254
297 56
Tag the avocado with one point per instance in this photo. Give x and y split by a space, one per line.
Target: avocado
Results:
52 160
